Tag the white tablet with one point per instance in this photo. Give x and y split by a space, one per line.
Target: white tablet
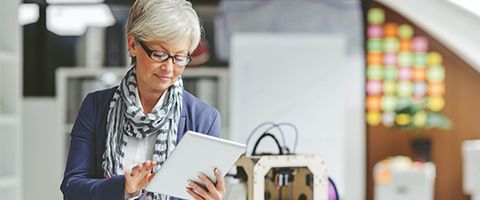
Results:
194 153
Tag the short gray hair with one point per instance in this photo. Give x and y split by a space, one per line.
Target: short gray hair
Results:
164 20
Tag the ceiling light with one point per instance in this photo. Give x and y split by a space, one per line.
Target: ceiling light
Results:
74 19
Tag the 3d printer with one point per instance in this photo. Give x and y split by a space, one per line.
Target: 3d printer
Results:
285 175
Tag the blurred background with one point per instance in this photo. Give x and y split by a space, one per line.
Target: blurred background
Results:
386 92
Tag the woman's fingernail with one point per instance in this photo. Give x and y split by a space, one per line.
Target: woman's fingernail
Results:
217 170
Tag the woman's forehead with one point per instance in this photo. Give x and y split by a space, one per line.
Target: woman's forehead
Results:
181 45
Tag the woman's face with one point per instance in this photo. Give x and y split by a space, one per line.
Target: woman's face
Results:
154 76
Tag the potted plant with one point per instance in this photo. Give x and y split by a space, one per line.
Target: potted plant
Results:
415 116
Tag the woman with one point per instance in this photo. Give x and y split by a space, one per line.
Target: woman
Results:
124 133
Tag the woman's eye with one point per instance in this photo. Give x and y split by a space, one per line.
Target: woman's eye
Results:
180 58
160 55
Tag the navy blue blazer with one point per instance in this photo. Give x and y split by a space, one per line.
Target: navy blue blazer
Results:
83 178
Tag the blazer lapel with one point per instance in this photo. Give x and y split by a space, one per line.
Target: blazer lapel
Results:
182 124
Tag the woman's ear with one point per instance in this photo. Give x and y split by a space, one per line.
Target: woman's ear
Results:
132 47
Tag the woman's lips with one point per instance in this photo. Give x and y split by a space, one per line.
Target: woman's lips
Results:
163 77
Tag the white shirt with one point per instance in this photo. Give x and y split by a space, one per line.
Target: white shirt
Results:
140 150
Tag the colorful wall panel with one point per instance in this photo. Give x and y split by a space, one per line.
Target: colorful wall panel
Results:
400 69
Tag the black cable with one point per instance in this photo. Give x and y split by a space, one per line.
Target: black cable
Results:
254 131
282 134
272 125
254 152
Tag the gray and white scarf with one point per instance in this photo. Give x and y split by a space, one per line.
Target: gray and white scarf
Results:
125 117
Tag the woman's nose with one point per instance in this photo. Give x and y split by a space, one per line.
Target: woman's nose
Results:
168 65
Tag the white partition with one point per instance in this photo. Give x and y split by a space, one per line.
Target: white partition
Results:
310 81
10 102
471 168
43 170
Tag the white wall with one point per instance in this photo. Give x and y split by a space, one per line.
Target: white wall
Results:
42 167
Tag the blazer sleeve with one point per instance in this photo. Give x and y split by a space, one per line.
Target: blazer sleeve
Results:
79 180
215 127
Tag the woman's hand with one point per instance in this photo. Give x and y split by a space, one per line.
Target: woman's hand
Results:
213 192
139 177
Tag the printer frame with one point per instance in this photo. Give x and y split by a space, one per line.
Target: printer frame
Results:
257 167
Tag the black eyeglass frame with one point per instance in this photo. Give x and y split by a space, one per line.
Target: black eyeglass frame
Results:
174 58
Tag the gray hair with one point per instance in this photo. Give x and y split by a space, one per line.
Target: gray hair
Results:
164 20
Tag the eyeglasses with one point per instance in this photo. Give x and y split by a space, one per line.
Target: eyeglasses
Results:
160 56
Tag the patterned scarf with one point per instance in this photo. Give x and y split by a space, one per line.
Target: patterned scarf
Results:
125 117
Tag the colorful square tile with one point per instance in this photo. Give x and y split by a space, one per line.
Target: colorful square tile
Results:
436 89
389 59
375 16
436 103
389 87
374 58
390 73
436 73
405 73
389 103
374 72
405 59
374 103
388 119
374 87
419 89
419 74
406 45
390 44
390 30
434 58
404 88
375 31
420 44
419 59
373 118
374 45
405 31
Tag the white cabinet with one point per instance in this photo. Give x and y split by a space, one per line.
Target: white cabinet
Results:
399 178
10 102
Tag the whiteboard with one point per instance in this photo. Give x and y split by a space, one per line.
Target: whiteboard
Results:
310 81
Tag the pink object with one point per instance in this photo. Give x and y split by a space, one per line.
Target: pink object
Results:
389 59
420 44
374 87
332 190
405 73
375 31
